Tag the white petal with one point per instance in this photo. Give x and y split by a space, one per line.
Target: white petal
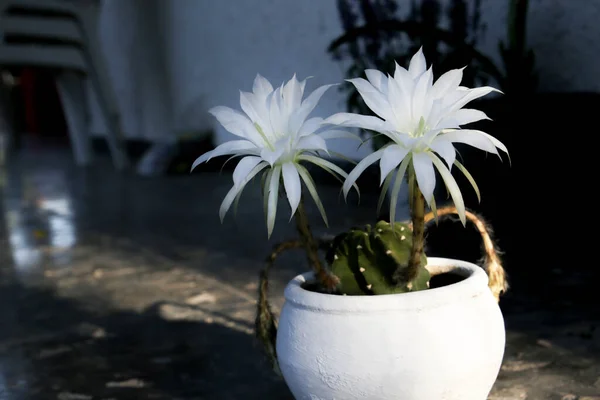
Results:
301 113
261 87
243 168
276 116
292 94
417 64
235 122
271 156
469 95
231 147
310 126
447 83
404 79
477 139
291 183
373 98
355 121
392 156
377 79
359 169
272 200
400 98
425 175
445 149
452 187
420 106
235 190
311 142
468 115
255 107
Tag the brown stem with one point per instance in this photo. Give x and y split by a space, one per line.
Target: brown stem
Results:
328 281
417 214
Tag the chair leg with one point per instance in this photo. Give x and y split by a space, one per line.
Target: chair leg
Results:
72 93
7 124
108 105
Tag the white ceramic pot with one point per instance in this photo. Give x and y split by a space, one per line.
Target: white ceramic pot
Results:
445 343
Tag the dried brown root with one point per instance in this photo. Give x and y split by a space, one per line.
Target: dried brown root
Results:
491 261
266 322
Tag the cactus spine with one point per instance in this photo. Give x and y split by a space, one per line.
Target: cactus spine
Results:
373 261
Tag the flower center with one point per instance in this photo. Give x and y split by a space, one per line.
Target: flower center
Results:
421 129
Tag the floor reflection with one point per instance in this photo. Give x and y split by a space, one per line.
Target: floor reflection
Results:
40 219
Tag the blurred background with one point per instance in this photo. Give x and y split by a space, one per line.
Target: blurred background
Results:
117 279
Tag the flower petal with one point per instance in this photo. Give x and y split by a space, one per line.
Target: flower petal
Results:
396 188
310 126
272 201
468 115
231 147
261 87
235 190
271 156
420 104
400 92
445 149
469 178
291 183
373 98
417 65
311 142
356 121
243 168
391 157
446 83
425 174
359 169
452 187
312 189
301 113
292 94
475 138
468 95
255 107
235 122
377 79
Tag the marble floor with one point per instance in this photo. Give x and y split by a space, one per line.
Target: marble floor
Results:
115 286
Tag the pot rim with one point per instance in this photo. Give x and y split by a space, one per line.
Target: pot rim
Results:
475 284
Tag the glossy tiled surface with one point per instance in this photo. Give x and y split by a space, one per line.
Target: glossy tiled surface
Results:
121 287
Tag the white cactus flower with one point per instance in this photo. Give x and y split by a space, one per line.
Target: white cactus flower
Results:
275 137
423 120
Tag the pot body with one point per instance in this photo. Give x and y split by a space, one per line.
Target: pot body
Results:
444 343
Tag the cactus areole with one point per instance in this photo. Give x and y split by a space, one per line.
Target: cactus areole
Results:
375 260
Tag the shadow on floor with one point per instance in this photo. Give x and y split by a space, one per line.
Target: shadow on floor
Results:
51 348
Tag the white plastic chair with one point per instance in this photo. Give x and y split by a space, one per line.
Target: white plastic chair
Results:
62 35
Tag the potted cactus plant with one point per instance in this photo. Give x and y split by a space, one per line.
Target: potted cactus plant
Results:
375 318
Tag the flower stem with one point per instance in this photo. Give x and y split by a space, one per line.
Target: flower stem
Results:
328 281
417 214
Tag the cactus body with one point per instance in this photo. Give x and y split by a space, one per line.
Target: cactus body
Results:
373 260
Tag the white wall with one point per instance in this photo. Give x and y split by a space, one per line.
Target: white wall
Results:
214 48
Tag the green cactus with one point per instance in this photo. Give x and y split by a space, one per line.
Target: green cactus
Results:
373 261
